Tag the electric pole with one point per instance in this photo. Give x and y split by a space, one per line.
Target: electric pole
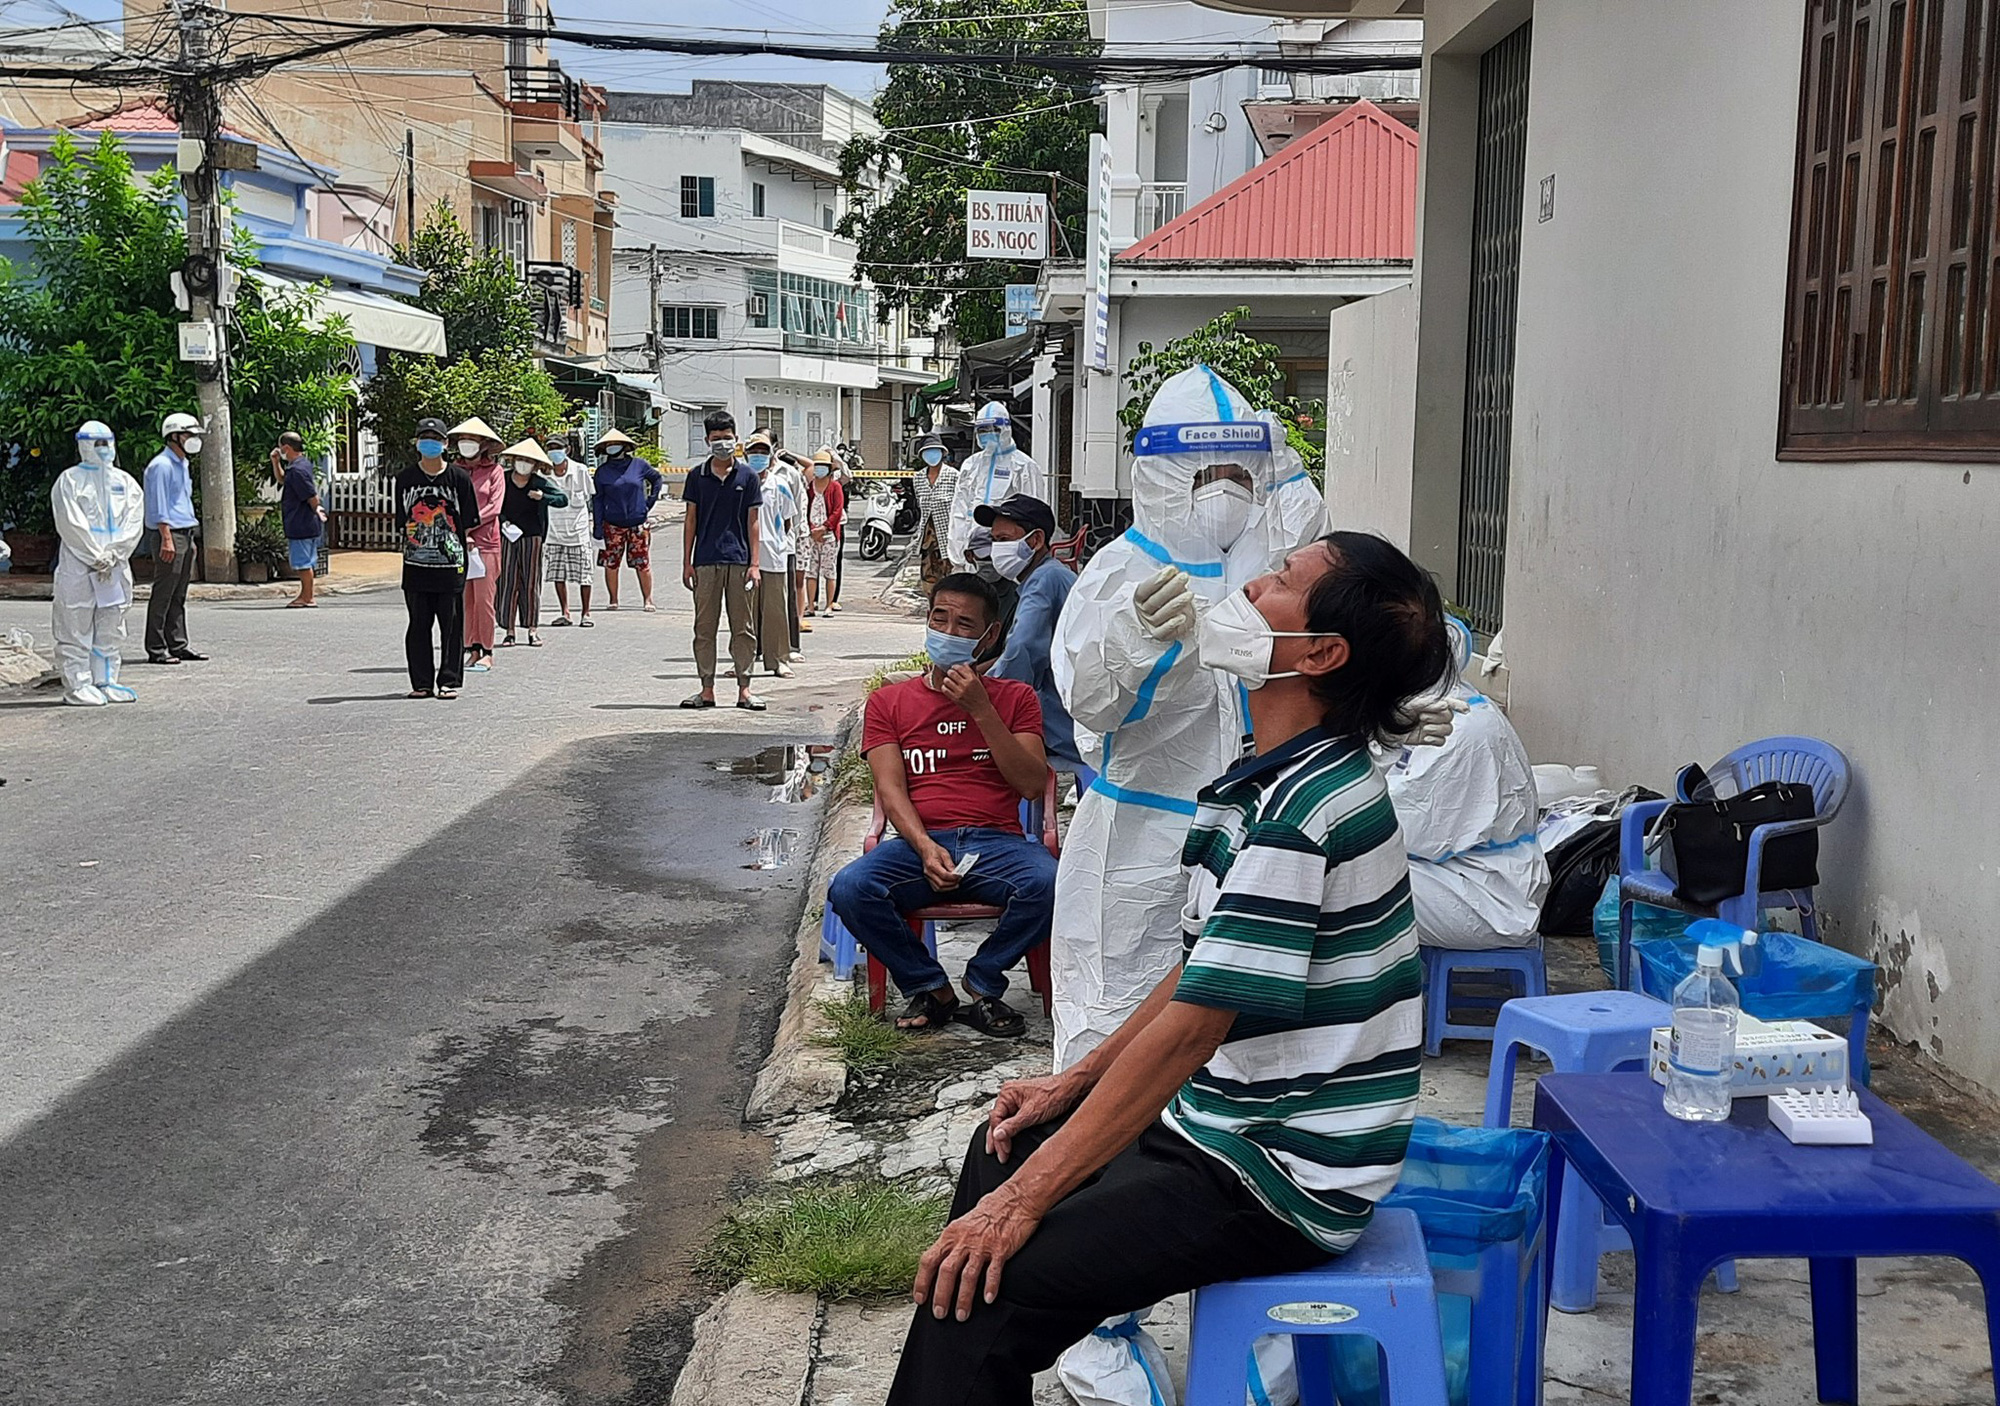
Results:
197 101
653 315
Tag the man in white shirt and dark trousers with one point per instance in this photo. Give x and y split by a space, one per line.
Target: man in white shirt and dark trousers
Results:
170 516
566 558
771 600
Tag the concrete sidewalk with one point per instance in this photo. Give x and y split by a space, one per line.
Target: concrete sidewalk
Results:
348 573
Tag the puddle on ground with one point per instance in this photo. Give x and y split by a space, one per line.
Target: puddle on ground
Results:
795 772
775 848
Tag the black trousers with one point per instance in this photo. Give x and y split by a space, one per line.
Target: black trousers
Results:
445 610
167 610
792 603
839 562
1162 1218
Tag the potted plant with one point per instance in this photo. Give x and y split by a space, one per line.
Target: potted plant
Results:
260 550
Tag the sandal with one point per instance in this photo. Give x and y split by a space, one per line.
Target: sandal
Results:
585 623
990 1015
927 1012
418 693
750 703
697 701
534 643
508 642
447 693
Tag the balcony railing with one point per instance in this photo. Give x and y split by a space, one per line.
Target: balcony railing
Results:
545 83
1159 203
564 280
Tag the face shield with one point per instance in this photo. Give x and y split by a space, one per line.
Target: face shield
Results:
993 427
1201 467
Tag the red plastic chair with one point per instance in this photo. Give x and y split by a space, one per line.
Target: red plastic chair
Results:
1069 550
1038 955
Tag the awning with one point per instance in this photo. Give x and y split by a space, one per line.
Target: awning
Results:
372 319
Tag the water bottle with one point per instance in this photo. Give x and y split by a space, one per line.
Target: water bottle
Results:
1703 1053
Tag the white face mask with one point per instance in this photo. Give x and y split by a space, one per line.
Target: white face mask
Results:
1011 559
191 446
468 449
1235 638
102 453
1221 512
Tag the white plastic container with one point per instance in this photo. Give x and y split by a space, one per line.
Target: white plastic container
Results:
1555 782
1702 1058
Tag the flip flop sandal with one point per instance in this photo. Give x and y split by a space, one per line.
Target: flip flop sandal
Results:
509 642
419 693
560 621
990 1015
586 623
447 693
934 1013
752 704
534 643
697 701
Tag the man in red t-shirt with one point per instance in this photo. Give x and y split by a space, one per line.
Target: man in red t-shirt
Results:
953 755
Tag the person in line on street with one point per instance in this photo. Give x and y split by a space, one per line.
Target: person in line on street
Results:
843 479
801 467
774 555
303 513
953 756
439 511
718 537
1468 811
626 487
476 446
170 519
100 513
826 507
995 471
1022 529
566 558
935 482
524 523
1248 1116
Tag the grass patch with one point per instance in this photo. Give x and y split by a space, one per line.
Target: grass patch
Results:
863 1041
852 779
844 1240
909 664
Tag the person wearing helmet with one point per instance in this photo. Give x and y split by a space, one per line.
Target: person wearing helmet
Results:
624 490
100 512
997 471
476 446
171 521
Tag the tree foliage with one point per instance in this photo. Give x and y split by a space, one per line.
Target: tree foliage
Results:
88 332
948 130
488 315
1250 365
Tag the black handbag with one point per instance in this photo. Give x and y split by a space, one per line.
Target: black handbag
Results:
1705 843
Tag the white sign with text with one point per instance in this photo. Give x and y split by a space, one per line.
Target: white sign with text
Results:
1006 224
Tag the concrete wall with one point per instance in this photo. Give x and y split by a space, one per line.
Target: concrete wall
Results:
1673 589
1371 362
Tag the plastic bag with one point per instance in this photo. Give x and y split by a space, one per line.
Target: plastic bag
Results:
1470 1188
1119 1364
1648 922
1800 979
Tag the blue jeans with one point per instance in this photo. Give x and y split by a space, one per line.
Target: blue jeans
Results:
1014 874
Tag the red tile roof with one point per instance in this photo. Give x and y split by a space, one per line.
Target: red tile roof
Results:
142 115
1347 191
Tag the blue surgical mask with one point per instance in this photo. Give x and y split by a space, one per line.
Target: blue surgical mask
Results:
933 456
988 439
758 462
948 651
822 470
558 456
431 448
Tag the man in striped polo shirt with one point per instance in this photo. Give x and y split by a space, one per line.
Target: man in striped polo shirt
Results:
1248 1116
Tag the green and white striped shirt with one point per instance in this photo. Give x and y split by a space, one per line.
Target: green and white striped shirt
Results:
1298 918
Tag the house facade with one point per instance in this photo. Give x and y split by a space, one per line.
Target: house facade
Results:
730 284
1693 394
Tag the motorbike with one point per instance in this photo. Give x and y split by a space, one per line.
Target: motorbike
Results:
908 510
873 521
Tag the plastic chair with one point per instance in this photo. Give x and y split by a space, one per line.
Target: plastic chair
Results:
1036 817
1440 963
1804 760
1594 1032
1069 550
1380 1289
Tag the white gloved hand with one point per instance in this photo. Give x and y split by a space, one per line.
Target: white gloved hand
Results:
1435 718
105 564
1165 602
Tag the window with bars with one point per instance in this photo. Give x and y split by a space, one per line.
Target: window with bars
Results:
1893 313
697 197
569 242
688 323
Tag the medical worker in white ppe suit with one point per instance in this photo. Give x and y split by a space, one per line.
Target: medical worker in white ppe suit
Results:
100 511
993 472
1295 513
1468 811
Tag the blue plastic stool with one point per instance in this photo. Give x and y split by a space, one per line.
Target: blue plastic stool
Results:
1440 963
1380 1289
1593 1032
1507 1285
837 944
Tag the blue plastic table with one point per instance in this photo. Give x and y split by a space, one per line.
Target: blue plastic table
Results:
1695 1194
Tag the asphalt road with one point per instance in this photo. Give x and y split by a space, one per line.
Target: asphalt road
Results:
361 1050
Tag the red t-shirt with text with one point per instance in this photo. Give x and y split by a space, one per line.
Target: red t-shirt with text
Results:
951 773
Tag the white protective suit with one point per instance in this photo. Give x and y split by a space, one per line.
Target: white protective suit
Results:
1169 726
100 512
1468 812
989 476
1296 513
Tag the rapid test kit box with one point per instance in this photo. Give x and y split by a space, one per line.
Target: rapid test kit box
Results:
1771 1056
